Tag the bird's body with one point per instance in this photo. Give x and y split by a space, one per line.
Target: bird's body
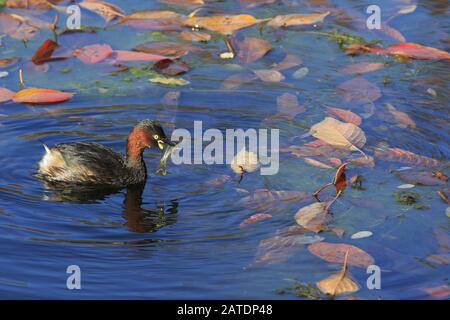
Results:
94 164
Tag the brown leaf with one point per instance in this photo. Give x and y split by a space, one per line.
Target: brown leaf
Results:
106 10
170 67
155 20
297 19
340 180
362 67
5 94
225 24
166 48
236 80
359 90
404 156
364 161
335 253
339 282
195 36
339 134
345 115
400 117
326 163
17 27
252 49
313 217
30 4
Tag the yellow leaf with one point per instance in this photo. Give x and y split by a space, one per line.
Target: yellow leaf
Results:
169 81
226 24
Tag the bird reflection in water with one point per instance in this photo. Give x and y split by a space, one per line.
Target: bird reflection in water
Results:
138 219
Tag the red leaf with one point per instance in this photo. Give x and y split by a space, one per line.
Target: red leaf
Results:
335 253
45 51
41 96
5 94
93 53
404 156
340 180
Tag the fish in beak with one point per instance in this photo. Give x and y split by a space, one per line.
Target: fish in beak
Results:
165 142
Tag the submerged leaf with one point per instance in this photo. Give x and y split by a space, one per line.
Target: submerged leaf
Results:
297 19
345 115
359 90
5 94
93 53
252 49
313 217
335 253
254 218
404 156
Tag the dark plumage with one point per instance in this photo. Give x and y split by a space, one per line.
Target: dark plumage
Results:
94 164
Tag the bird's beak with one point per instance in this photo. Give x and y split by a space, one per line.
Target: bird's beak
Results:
163 142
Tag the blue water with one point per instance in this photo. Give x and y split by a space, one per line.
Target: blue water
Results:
183 239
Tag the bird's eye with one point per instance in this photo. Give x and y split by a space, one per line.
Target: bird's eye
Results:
156 137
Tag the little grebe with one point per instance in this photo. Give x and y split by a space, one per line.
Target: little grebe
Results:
94 164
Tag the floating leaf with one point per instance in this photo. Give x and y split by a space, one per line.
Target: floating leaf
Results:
106 10
340 180
184 2
93 53
225 24
170 67
166 48
408 8
329 163
124 55
155 20
335 253
359 90
296 19
439 292
405 50
17 27
45 51
169 81
313 217
400 117
345 115
254 218
339 282
252 49
41 96
340 134
362 67
5 94
404 156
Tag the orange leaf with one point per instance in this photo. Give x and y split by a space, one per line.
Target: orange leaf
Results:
254 218
226 24
340 180
41 96
413 51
